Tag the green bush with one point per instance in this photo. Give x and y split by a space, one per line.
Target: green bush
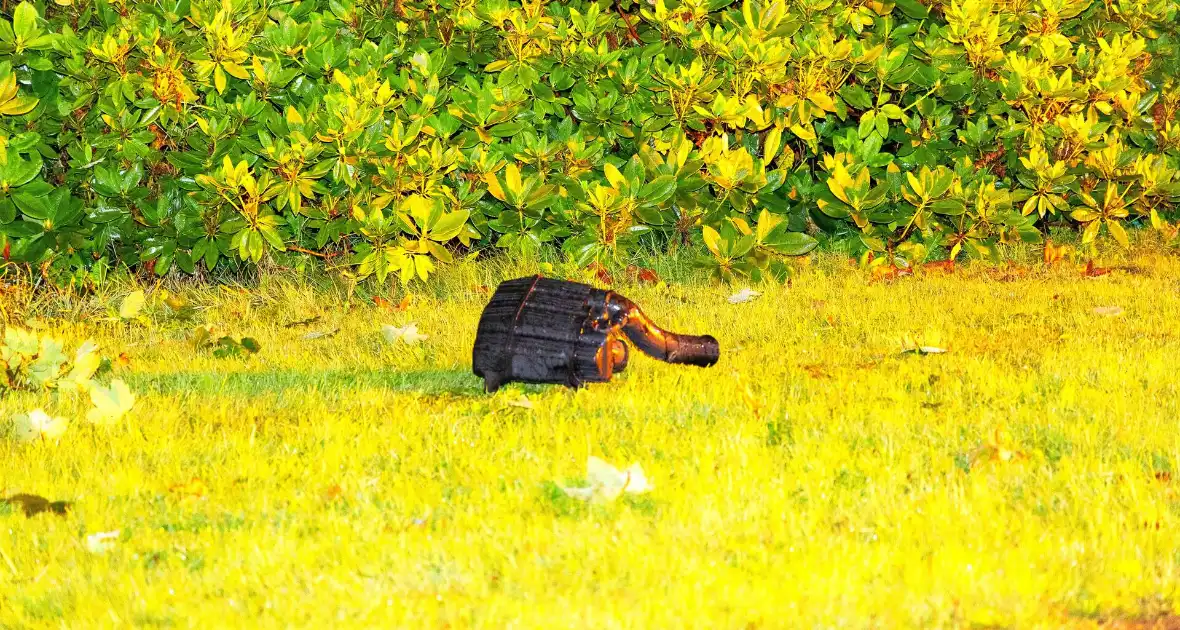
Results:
188 134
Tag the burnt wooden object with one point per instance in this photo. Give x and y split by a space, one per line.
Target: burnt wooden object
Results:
544 330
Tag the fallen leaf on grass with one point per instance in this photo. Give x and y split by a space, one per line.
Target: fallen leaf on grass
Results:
745 295
38 425
331 493
816 371
600 273
643 275
386 304
999 447
607 483
407 334
522 403
1054 253
926 346
131 305
947 266
86 364
102 542
1090 271
110 403
34 505
192 489
1108 311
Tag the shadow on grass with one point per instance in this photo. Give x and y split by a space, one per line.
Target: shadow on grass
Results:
427 382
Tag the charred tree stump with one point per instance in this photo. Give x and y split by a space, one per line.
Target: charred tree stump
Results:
543 330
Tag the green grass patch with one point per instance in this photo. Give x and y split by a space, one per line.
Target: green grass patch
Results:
816 477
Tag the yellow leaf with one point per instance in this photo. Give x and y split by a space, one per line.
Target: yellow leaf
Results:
512 179
613 176
131 305
293 116
494 187
236 70
219 80
823 101
18 106
1120 235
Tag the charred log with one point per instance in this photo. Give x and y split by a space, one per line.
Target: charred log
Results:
543 330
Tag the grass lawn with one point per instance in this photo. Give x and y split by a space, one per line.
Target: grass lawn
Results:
816 477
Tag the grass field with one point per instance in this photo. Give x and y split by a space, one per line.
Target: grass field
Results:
815 478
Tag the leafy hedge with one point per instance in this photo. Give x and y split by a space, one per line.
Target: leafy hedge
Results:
187 134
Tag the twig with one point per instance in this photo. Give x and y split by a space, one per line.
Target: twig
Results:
627 20
306 251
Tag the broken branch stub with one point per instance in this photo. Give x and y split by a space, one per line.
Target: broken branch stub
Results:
544 330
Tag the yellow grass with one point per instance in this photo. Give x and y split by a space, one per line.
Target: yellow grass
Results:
814 478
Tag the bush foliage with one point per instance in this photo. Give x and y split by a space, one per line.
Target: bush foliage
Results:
393 134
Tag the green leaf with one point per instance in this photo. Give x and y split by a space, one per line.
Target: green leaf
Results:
658 190
24 22
449 226
913 9
856 96
951 207
790 243
868 122
507 130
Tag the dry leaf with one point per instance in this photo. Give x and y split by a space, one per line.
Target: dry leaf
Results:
102 542
643 275
523 402
1053 253
131 305
608 482
192 489
745 295
947 266
1090 271
1108 311
110 403
407 334
38 425
600 273
331 493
